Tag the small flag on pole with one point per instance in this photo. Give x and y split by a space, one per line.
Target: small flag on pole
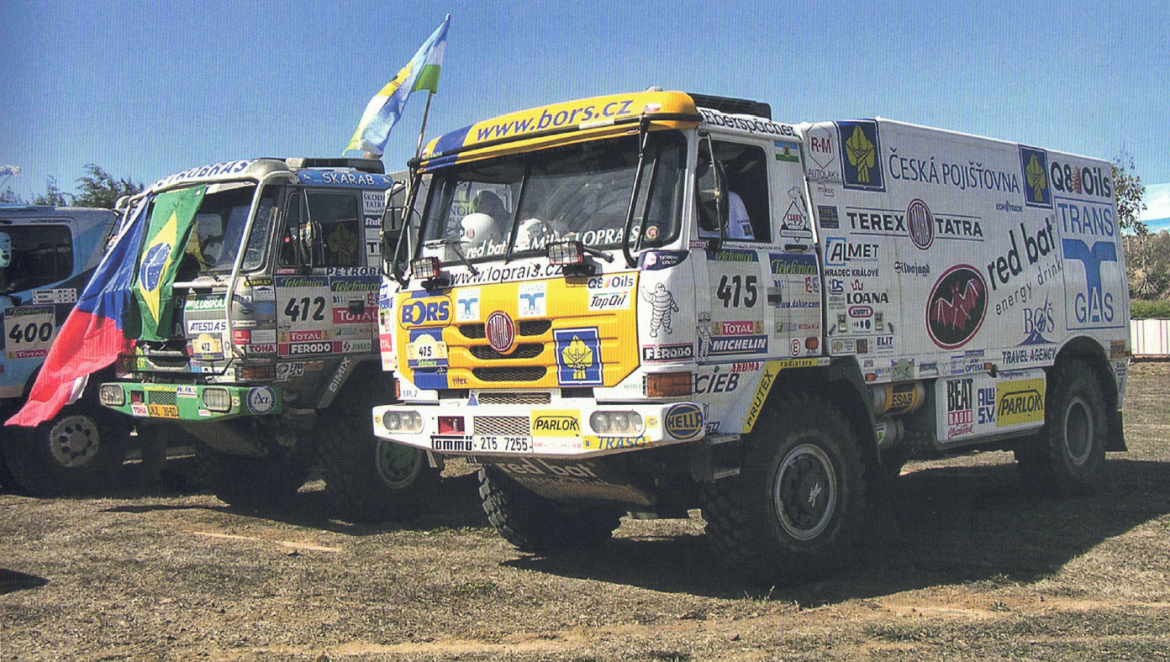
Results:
383 111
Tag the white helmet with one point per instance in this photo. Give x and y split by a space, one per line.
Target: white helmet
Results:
477 228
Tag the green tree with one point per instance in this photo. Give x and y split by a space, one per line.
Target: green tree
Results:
99 189
1128 190
53 195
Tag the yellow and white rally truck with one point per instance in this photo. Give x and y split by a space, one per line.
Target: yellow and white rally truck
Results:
654 301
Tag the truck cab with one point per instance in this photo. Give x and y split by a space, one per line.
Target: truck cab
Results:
274 300
47 255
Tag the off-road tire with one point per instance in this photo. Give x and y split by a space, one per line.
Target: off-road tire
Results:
255 483
80 448
795 509
368 479
1068 455
533 523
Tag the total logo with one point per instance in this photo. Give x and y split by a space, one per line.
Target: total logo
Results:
425 311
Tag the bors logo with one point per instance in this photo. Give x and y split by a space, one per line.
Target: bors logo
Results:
956 306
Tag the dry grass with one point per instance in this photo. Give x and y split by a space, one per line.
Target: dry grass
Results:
960 563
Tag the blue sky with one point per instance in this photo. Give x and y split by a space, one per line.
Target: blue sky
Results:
148 89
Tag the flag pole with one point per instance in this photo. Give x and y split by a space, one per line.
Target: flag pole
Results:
422 131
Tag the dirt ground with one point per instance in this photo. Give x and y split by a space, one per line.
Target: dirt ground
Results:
960 563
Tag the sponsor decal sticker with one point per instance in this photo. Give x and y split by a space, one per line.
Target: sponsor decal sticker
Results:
578 353
261 400
684 421
956 306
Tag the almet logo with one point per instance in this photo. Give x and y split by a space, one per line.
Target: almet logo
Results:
861 168
1034 164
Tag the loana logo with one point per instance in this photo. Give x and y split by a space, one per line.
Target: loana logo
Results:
860 163
153 265
1034 164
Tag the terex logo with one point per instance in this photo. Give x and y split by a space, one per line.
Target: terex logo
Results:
423 311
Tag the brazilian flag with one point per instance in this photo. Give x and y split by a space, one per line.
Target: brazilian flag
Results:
169 229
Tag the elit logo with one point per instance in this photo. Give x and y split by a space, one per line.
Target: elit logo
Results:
1034 164
153 264
861 165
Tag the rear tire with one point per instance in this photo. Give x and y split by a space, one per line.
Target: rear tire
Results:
1068 455
368 479
533 523
252 482
79 448
793 512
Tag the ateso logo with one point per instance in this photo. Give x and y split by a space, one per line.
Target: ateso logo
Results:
956 306
424 311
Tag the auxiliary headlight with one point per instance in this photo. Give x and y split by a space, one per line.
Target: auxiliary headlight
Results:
112 395
217 399
622 423
402 421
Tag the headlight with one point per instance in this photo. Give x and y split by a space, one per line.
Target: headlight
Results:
402 421
622 423
112 395
217 399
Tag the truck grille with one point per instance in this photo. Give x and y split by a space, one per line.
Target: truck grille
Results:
517 374
507 398
523 328
501 425
524 351
162 398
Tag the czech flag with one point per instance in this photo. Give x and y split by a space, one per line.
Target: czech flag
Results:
92 336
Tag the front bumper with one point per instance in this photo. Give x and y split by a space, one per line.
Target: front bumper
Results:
190 402
563 429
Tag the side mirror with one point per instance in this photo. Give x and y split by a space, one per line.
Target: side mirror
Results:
5 250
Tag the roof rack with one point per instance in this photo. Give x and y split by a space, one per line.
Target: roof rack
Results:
733 106
373 166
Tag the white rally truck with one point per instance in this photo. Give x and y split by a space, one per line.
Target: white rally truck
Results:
655 301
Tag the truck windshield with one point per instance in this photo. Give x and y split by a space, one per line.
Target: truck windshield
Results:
580 191
219 230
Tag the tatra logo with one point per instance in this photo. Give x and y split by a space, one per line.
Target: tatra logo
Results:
956 307
500 331
921 223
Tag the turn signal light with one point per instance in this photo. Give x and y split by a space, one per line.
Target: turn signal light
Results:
669 384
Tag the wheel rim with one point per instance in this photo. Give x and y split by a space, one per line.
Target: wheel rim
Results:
805 493
74 441
398 465
1078 430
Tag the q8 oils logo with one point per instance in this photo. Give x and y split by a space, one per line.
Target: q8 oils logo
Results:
861 164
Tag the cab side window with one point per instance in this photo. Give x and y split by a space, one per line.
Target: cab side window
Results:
335 236
745 170
39 255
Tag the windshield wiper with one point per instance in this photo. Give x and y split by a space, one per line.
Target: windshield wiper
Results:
453 244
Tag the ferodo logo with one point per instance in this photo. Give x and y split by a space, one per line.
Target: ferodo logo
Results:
416 312
1019 402
556 424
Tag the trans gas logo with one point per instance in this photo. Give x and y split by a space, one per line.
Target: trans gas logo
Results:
956 306
1037 190
861 166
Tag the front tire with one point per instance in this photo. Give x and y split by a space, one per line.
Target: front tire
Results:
794 510
1068 455
78 448
368 479
533 523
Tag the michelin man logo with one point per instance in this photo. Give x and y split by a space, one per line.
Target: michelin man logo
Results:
662 304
